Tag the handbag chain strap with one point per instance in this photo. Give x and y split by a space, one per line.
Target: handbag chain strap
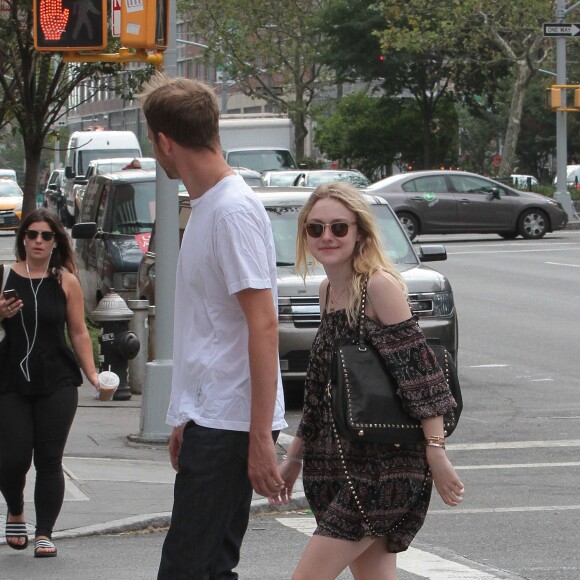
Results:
361 315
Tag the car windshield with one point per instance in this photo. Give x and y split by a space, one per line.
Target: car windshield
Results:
283 178
261 160
9 188
112 166
284 221
88 155
134 207
356 179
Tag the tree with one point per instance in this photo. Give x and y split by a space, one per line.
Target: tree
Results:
35 87
269 49
364 131
516 29
408 47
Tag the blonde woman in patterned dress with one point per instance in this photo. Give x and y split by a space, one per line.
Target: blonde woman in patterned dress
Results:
392 482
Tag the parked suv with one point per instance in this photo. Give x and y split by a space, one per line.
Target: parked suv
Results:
430 292
116 217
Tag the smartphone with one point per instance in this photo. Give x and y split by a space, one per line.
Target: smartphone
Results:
11 293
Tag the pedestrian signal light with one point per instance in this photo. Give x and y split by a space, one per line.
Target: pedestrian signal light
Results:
145 24
553 98
69 25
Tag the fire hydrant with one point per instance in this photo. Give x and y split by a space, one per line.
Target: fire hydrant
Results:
117 345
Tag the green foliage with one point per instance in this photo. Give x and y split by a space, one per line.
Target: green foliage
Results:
365 132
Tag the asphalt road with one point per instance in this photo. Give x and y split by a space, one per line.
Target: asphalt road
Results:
516 447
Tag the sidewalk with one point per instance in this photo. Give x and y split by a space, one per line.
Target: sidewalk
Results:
112 483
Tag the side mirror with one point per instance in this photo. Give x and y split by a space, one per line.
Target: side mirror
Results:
85 231
432 253
495 193
69 173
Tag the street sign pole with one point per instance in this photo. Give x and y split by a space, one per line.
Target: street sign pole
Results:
562 194
157 387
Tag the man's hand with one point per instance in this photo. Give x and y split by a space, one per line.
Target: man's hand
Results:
175 441
53 19
263 467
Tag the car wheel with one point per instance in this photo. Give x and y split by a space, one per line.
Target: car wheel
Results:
410 224
509 235
533 224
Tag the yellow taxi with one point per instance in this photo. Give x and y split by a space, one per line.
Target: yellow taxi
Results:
10 204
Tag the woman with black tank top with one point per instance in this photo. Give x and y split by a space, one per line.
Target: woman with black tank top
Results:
40 375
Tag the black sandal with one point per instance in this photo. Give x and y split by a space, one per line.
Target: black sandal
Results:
16 530
43 545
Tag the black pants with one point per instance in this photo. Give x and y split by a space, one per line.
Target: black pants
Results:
211 507
39 426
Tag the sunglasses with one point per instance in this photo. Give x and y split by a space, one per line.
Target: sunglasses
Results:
338 229
46 236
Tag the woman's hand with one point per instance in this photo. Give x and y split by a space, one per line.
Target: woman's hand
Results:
289 472
446 481
94 380
10 307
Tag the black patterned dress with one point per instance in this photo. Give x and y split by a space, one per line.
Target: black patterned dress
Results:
392 482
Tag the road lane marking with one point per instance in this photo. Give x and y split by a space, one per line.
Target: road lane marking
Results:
492 366
536 508
414 561
575 249
513 445
519 465
562 264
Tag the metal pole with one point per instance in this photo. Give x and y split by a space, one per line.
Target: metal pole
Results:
157 388
562 194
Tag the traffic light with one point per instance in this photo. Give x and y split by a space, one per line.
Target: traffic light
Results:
145 24
69 25
553 98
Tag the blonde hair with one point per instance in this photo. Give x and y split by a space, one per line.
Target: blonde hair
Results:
368 256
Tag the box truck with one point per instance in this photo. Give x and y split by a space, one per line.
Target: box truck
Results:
83 147
258 143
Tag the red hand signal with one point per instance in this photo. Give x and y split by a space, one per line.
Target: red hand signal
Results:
53 19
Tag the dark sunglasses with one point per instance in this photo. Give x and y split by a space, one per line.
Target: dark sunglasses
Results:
338 229
46 236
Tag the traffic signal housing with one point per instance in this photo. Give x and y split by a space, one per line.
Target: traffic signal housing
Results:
145 24
553 98
69 25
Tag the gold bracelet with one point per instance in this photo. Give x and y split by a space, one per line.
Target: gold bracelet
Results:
434 439
293 459
439 445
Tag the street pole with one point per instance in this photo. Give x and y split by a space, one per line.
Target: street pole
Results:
562 194
157 387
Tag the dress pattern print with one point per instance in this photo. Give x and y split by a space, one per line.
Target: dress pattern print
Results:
392 482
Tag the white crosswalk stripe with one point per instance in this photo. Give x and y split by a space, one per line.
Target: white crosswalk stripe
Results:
414 561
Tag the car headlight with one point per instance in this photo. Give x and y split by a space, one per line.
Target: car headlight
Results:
432 304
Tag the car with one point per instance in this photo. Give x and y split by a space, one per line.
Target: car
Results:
99 167
572 176
115 222
459 202
54 192
11 197
314 177
523 181
430 292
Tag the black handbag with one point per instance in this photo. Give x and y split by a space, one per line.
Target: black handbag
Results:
363 393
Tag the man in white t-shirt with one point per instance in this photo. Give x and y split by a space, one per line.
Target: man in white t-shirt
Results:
227 403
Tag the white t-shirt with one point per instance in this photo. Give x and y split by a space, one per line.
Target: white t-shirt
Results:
227 247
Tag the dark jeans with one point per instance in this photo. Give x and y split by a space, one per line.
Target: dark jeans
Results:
40 425
211 506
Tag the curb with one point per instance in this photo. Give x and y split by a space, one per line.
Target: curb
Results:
163 519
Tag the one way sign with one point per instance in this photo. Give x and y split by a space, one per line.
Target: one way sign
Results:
561 29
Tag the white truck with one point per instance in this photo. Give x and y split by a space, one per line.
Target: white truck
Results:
258 143
83 147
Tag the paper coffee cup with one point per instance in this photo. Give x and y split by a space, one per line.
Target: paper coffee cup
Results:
108 381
